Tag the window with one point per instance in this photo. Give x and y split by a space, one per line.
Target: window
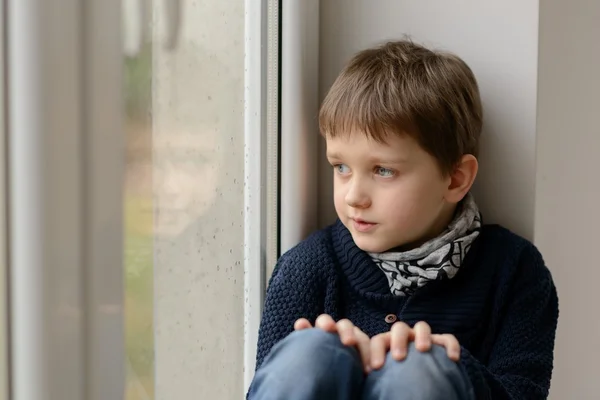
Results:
184 222
185 207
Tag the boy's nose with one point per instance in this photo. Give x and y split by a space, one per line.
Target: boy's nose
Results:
358 197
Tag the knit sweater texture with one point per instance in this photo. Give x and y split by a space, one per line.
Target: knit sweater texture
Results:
502 306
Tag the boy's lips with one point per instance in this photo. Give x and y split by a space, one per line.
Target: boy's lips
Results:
362 225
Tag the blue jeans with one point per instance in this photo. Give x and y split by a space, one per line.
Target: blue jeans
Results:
314 364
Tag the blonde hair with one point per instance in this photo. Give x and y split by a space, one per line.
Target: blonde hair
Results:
403 88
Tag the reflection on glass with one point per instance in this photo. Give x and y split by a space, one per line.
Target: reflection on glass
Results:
138 263
184 205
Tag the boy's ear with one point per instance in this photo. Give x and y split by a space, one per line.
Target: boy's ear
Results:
462 178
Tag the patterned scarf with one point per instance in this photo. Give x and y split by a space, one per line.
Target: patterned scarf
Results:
437 259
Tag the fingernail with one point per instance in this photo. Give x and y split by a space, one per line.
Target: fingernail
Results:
398 354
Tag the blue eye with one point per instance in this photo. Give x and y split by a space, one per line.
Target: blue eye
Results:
341 169
386 172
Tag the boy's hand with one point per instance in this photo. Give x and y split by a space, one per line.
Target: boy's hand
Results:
349 334
397 339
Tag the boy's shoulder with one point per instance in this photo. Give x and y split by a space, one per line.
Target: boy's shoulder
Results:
503 236
521 256
316 247
505 240
312 257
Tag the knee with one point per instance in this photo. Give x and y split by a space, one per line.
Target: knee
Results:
311 352
308 363
436 373
434 362
312 342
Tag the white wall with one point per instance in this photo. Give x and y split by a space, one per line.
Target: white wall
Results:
567 185
539 144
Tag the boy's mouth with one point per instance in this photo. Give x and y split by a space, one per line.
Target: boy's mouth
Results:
363 226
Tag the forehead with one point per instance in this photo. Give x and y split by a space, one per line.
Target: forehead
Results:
396 147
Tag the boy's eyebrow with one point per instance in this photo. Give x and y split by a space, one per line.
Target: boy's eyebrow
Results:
373 160
399 160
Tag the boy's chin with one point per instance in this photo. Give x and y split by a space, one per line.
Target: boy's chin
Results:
369 244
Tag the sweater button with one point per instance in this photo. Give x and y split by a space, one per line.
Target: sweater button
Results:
391 318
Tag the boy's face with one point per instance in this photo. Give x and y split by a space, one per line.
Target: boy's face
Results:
185 177
388 194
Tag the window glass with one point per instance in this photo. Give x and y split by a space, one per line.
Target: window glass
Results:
184 216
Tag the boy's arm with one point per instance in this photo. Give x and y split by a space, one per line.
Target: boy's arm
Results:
295 291
520 365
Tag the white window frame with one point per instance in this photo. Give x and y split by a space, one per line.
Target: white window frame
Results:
4 347
261 167
254 177
282 103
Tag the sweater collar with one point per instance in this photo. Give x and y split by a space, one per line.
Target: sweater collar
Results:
360 270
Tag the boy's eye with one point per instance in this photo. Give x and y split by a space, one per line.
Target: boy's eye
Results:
341 168
384 171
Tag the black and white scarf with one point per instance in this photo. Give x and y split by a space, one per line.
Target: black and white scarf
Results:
437 259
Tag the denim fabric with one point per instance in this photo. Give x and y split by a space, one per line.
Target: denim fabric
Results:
313 364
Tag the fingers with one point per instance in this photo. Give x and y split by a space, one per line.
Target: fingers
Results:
373 351
364 348
379 347
349 335
344 328
326 323
422 336
301 324
346 331
401 335
396 341
450 343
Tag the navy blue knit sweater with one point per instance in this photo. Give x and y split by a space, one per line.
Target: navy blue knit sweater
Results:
502 306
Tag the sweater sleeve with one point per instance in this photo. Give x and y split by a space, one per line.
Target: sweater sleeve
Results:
521 361
294 291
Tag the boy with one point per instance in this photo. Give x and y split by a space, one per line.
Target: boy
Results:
407 295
